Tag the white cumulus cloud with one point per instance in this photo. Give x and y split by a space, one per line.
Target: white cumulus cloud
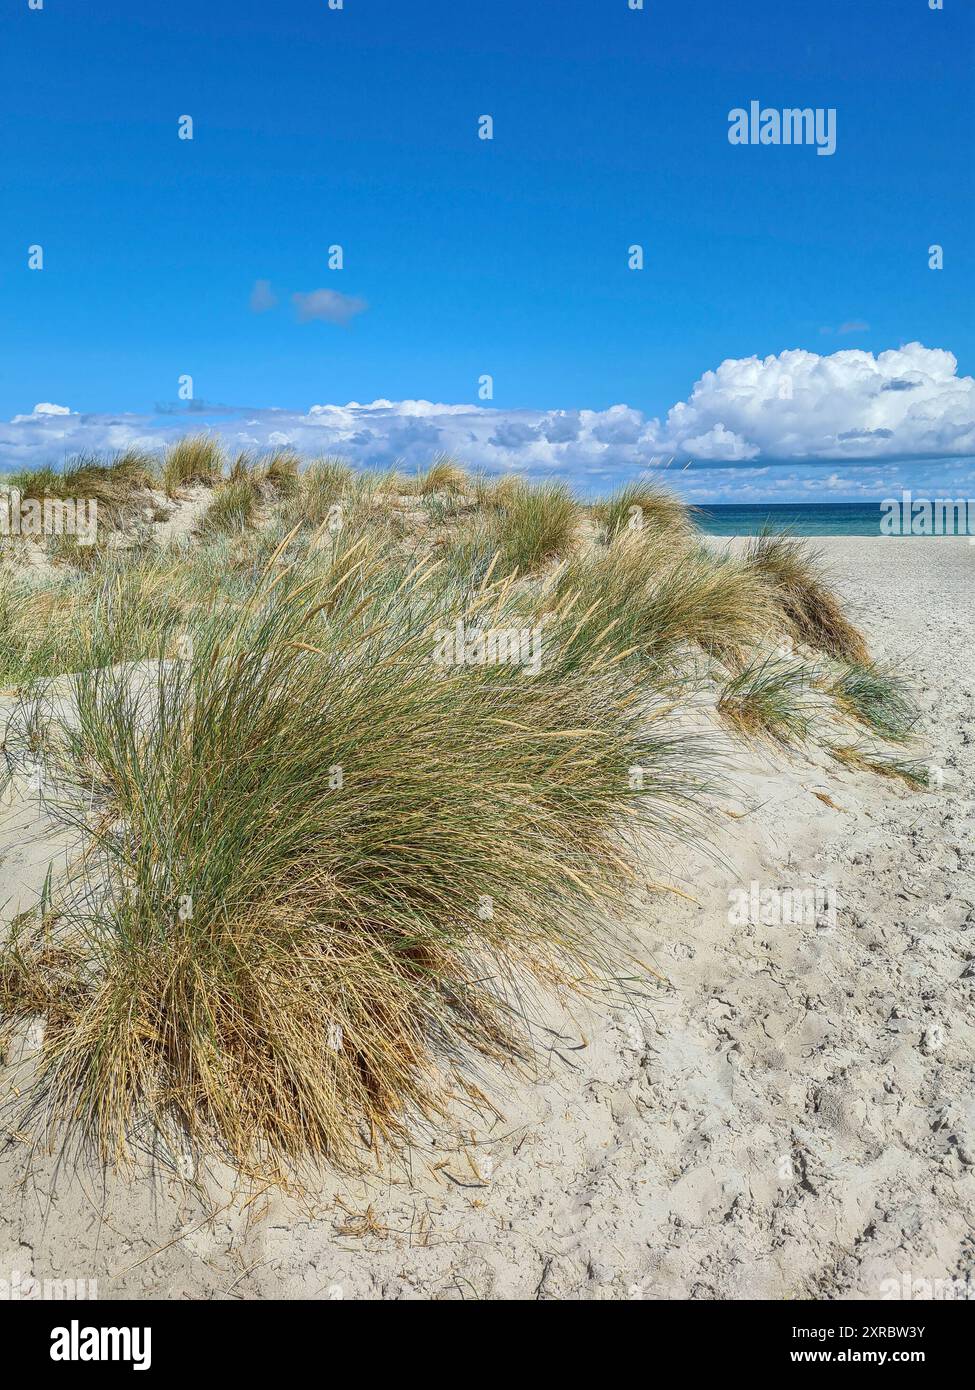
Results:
907 402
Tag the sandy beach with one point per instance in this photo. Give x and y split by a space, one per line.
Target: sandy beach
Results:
792 1118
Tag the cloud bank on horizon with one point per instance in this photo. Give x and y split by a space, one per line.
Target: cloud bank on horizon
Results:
798 408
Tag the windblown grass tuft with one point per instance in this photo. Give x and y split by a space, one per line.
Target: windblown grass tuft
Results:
113 485
281 470
770 698
810 608
661 596
639 507
193 459
913 771
533 525
233 507
322 485
494 493
878 697
445 474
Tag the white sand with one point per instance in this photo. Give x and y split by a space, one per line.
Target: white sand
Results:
797 1120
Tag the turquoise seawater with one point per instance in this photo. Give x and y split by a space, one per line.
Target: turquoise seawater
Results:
804 519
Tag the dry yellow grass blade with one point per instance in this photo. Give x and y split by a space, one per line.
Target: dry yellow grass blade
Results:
677 892
417 568
580 624
490 569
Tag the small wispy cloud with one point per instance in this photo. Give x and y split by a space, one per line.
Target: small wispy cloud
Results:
851 326
42 408
262 297
327 305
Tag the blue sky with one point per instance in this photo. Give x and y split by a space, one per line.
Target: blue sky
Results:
508 257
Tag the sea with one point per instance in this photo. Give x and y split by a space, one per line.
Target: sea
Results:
802 518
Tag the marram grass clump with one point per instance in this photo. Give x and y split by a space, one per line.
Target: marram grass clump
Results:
770 699
861 757
327 868
444 475
532 525
813 612
323 872
662 597
642 507
878 697
114 484
192 459
233 506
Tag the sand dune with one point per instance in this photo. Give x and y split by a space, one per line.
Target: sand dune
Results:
798 1119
